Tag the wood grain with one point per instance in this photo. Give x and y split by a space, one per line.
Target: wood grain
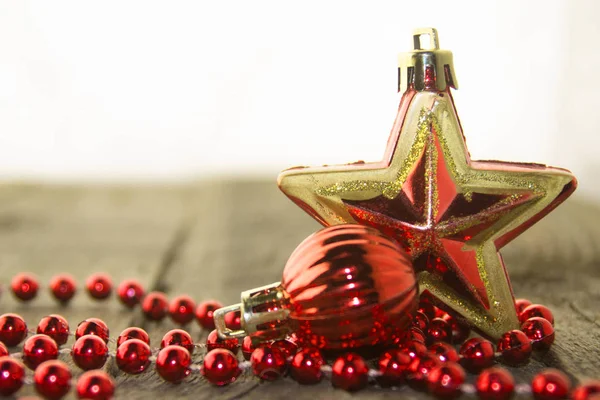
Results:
214 239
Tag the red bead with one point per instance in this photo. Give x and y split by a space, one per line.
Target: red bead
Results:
92 326
445 381
204 313
133 356
419 369
420 320
248 346
439 331
515 347
520 305
130 292
63 287
37 349
587 391
95 385
413 348
350 372
305 367
549 385
24 286
428 309
13 329
55 326
133 333
12 374
178 337
411 334
233 320
173 363
181 309
220 367
52 379
89 352
495 384
3 350
99 286
155 306
288 347
444 351
392 366
460 330
268 363
213 341
477 354
539 331
536 310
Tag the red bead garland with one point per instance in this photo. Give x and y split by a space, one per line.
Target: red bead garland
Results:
55 326
540 331
95 385
13 329
444 351
155 306
477 354
63 287
178 337
133 333
89 352
350 372
130 292
24 286
92 326
133 356
515 347
204 313
495 384
173 363
37 349
268 363
393 366
99 286
549 385
306 365
213 341
52 379
587 391
220 367
12 375
181 309
445 381
536 310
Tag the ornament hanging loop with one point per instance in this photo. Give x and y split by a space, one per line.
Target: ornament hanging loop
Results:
263 311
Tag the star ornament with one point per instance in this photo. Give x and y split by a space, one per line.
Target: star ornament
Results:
451 214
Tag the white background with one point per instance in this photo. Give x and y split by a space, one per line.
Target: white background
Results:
160 91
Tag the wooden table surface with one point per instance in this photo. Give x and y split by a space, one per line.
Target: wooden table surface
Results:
215 239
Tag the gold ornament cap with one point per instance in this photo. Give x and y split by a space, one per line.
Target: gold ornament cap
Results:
426 67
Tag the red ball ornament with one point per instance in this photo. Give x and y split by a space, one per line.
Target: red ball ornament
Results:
540 331
413 349
213 341
439 331
95 385
133 356
220 367
178 337
89 352
549 385
350 372
233 320
477 354
182 310
12 375
173 363
515 347
55 326
495 384
305 367
3 350
536 310
520 305
420 320
287 347
24 286
365 281
249 344
99 286
393 365
444 351
130 292
155 306
52 379
204 313
587 391
445 381
268 363
460 330
13 329
419 369
92 326
63 287
133 333
37 349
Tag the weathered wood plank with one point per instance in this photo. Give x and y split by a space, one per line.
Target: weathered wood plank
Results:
215 239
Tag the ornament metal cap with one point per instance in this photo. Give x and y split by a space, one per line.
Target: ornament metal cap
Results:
426 67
